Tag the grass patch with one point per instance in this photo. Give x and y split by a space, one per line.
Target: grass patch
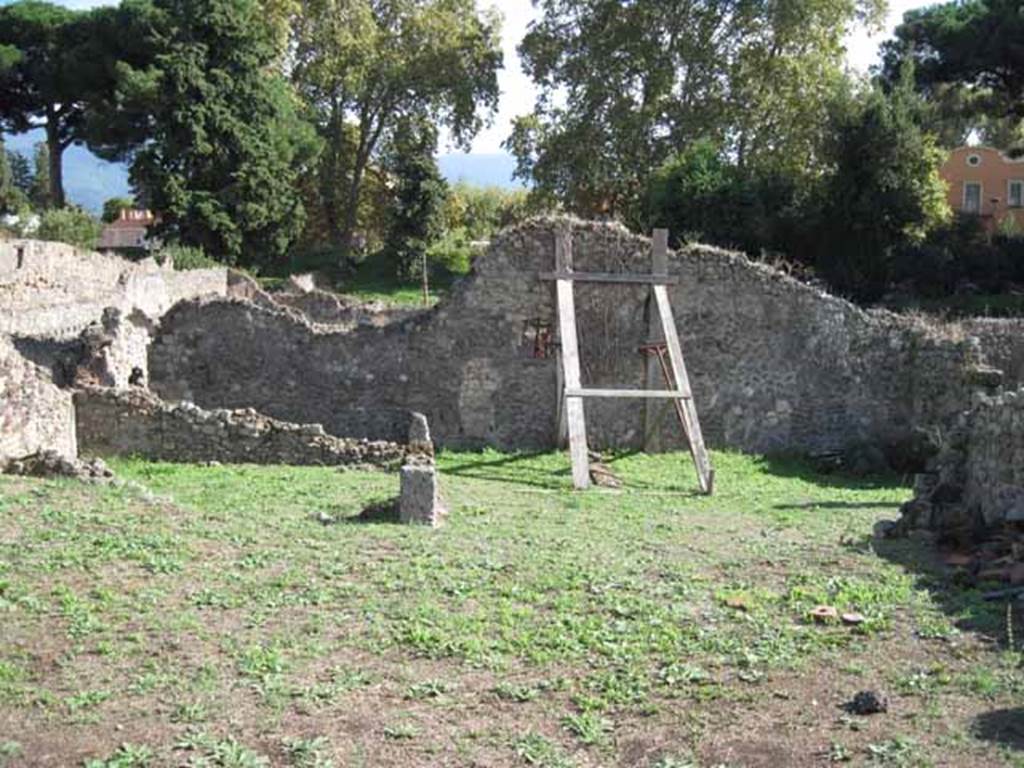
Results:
221 623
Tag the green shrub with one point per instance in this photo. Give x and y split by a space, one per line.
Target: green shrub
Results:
452 252
186 257
69 225
113 206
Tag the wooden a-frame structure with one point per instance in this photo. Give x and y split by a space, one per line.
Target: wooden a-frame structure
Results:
571 419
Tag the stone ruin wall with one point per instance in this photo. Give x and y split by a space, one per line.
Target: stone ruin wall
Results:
994 486
135 422
54 291
976 483
34 413
74 320
51 296
776 365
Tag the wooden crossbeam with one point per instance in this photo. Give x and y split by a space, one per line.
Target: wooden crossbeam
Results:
637 394
610 277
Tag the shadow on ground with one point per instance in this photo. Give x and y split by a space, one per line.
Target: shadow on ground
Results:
1002 726
515 469
951 589
809 471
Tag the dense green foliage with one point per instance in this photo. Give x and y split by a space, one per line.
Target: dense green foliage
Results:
970 63
223 145
884 191
625 86
364 69
113 206
419 196
184 257
472 215
879 194
700 195
12 197
69 225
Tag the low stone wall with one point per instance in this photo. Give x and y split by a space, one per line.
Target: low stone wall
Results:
977 482
135 422
35 414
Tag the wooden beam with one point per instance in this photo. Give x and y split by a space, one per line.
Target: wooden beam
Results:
705 475
636 394
655 410
573 408
610 277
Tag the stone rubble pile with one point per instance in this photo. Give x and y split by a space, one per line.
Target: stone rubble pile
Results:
53 464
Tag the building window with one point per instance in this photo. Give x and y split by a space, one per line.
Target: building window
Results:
972 197
974 160
1015 194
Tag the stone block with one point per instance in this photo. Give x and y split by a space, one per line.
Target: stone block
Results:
419 500
419 435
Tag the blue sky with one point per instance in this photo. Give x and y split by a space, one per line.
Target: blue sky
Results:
88 178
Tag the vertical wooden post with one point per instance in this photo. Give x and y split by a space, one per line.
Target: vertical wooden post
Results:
654 410
573 406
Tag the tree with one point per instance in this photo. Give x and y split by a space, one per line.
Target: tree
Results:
69 225
21 172
969 52
623 86
417 213
11 197
884 190
365 68
41 191
53 63
213 133
703 194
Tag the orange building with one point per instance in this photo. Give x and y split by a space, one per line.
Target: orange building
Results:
984 182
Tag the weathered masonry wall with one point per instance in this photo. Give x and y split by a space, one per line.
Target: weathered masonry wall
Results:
34 414
65 312
54 290
977 482
775 365
134 422
995 458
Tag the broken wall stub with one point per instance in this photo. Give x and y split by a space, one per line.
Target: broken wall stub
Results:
35 414
775 365
976 483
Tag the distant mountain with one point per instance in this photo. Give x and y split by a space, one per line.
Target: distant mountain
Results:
88 181
483 170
